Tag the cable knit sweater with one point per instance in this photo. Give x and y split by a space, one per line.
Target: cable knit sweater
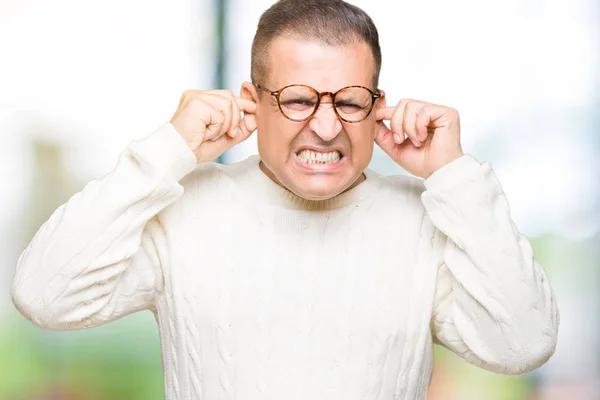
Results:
259 294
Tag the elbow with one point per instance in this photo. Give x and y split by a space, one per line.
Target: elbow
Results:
515 360
516 349
27 303
55 315
534 349
531 339
539 342
531 357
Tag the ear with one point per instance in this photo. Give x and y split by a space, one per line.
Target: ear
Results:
379 104
248 91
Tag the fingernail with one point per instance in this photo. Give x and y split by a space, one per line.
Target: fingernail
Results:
396 138
415 143
236 132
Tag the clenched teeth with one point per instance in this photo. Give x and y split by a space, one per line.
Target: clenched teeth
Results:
312 157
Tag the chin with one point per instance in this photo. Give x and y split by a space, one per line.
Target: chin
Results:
316 194
313 181
317 188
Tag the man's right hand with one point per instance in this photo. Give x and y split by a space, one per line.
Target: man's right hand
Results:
210 122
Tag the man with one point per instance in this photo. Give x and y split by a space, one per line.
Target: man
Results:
299 273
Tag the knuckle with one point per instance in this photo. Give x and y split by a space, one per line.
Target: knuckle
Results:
397 115
404 102
196 103
413 106
189 94
217 117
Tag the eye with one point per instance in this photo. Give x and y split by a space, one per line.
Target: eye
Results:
348 107
346 104
300 102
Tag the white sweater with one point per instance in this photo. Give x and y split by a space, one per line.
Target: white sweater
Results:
259 294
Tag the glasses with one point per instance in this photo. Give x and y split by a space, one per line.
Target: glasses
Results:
300 102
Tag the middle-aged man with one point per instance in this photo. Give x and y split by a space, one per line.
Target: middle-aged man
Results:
299 273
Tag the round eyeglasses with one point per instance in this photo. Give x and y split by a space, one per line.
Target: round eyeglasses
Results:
300 102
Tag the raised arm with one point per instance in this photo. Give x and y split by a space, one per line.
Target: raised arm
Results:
494 305
98 257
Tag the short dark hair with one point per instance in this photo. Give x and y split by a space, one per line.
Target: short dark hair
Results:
330 22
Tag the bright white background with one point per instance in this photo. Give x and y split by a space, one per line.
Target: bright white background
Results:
522 74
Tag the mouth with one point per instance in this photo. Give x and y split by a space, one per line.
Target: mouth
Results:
319 157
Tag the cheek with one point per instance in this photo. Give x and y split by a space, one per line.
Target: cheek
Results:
275 135
362 139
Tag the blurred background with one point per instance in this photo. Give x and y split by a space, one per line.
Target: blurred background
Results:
80 79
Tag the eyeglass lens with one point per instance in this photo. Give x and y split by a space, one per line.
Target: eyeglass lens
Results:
299 102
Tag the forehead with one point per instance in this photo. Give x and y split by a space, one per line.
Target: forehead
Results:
326 68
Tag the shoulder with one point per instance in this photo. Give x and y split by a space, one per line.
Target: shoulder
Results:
400 199
214 177
208 190
401 186
212 181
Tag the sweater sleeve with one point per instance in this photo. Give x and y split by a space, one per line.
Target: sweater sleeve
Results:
98 257
494 305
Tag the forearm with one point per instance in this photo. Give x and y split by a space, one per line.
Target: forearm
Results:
495 304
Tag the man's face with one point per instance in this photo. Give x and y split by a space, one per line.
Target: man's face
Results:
284 146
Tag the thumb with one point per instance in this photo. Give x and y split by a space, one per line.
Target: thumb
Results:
250 123
248 102
246 128
385 139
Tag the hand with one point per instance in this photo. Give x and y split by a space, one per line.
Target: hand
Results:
210 123
432 135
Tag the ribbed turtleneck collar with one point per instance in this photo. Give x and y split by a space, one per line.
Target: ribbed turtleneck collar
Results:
252 179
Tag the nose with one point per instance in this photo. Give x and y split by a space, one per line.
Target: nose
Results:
325 123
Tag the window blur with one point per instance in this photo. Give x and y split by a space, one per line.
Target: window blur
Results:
80 79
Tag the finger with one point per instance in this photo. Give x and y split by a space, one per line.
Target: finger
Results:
245 124
422 122
385 139
226 142
410 119
213 119
247 106
250 123
224 105
187 95
235 129
244 105
396 121
232 128
384 113
398 138
238 121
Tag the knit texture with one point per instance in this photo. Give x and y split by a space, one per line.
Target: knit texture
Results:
260 294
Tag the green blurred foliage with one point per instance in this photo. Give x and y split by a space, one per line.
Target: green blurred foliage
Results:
119 361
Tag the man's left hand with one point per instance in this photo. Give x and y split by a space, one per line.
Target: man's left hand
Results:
423 138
